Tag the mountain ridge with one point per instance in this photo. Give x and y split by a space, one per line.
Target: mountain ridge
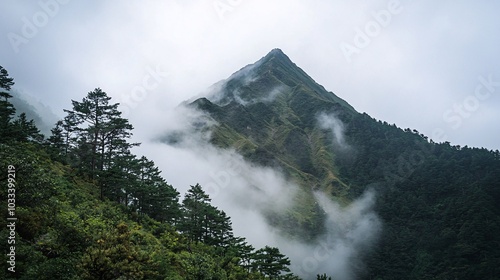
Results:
423 188
291 111
269 112
273 70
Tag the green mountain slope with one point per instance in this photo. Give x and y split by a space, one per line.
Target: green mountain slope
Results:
268 111
438 203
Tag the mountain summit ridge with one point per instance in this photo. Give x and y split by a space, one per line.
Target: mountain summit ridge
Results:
271 108
257 80
269 112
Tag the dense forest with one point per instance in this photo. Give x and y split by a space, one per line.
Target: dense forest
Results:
438 202
84 207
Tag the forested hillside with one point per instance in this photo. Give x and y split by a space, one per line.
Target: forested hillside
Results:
439 203
82 206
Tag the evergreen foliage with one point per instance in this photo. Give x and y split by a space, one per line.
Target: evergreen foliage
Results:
270 262
14 130
438 202
89 209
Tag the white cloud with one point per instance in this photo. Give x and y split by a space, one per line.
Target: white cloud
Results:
351 233
337 128
247 193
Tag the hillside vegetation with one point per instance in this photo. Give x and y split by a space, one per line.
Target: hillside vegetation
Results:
86 208
439 203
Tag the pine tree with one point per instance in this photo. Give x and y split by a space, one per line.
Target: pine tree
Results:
195 206
7 110
20 129
165 205
218 228
6 82
152 195
270 262
121 180
241 249
56 144
101 134
57 138
70 129
203 222
26 130
323 277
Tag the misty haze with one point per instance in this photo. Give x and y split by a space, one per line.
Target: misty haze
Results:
249 140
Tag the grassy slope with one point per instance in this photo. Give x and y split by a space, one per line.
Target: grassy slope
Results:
426 190
283 133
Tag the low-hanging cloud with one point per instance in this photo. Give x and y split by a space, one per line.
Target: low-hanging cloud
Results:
331 122
227 176
266 97
351 232
248 192
217 92
220 93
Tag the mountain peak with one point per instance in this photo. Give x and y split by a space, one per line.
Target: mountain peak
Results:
277 56
271 76
276 53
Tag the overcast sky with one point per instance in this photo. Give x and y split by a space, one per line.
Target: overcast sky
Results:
433 66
